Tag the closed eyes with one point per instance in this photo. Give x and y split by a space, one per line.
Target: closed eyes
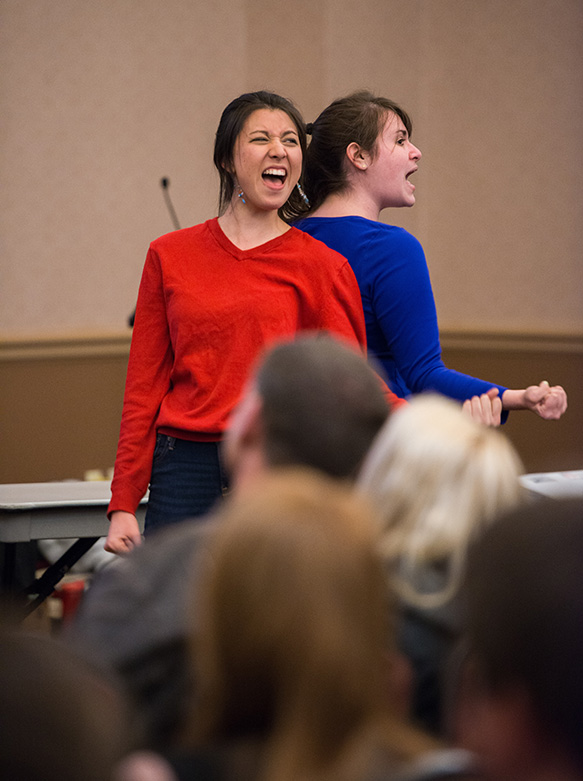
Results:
263 139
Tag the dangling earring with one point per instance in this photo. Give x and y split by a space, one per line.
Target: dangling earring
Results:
241 195
302 193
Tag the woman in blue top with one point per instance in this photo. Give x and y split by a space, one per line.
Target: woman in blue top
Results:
358 163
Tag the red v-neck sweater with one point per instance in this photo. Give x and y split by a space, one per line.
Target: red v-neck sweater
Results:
205 310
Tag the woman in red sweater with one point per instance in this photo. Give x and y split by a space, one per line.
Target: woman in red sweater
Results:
211 298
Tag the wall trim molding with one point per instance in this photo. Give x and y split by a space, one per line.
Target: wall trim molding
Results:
42 347
56 347
511 341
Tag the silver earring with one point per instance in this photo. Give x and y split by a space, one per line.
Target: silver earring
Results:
302 193
241 195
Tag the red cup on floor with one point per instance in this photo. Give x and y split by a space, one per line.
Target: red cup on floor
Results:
70 595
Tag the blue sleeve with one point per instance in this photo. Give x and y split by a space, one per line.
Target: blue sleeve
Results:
404 308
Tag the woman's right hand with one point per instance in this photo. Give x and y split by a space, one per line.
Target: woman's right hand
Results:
124 533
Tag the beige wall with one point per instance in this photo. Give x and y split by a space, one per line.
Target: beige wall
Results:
100 100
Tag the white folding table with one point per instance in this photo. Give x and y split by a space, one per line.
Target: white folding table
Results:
60 510
555 485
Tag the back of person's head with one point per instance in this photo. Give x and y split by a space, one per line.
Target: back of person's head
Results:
293 623
322 405
359 118
524 595
319 404
61 719
437 477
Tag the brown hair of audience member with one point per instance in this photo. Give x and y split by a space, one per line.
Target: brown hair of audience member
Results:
522 702
322 405
437 479
292 647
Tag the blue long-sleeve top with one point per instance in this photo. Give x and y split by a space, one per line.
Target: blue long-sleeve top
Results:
399 307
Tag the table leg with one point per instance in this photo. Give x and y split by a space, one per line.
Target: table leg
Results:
44 586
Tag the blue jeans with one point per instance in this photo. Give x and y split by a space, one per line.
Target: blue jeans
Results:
187 480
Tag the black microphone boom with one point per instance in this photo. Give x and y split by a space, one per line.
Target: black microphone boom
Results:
165 183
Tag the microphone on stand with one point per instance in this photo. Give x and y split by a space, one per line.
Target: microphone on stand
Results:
164 184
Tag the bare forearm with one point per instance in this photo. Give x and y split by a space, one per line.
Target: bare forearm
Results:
549 402
513 399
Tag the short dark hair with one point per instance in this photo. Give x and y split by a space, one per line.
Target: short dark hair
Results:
524 591
358 117
322 405
230 126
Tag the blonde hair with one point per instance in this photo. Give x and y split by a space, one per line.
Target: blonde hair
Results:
437 477
292 647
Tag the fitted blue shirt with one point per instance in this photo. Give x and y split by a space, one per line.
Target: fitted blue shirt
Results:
399 308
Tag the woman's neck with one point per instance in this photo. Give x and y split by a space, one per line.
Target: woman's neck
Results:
246 227
349 203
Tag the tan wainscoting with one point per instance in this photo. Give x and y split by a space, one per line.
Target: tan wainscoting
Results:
519 360
60 406
61 399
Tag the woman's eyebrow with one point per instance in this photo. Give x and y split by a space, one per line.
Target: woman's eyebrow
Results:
289 132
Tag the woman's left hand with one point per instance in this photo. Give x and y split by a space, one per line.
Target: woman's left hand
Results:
485 409
550 402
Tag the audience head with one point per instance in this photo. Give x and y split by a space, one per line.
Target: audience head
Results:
358 118
437 478
61 719
230 126
293 623
313 402
522 706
